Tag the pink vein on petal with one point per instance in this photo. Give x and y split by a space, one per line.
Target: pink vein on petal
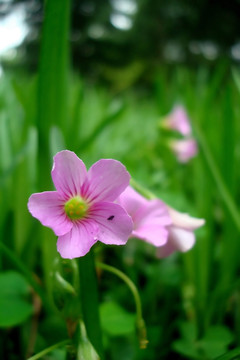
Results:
78 241
107 179
48 208
68 173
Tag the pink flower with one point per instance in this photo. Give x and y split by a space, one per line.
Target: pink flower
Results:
184 149
181 235
150 217
82 211
158 224
178 120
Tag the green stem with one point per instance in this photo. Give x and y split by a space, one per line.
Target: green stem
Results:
226 196
89 300
142 190
128 282
49 349
233 354
24 270
140 322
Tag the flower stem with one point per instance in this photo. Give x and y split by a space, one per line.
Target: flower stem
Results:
141 328
142 190
89 300
49 349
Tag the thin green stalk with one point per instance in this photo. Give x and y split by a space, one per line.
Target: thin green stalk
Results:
223 190
140 322
142 190
230 244
203 249
230 238
128 282
24 270
49 349
233 354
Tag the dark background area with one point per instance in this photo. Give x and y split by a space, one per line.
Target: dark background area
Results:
140 34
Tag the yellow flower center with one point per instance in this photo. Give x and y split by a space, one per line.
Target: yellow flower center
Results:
76 208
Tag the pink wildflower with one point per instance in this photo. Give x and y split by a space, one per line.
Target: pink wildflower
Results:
178 120
82 211
150 217
158 224
184 149
181 235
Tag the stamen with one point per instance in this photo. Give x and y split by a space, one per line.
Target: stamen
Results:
76 208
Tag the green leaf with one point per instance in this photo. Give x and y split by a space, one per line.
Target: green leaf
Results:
5 146
14 306
115 320
216 340
186 348
187 345
54 66
213 344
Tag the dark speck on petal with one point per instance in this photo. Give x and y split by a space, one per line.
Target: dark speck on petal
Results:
110 217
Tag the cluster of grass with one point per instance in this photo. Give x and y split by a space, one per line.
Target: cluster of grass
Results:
190 301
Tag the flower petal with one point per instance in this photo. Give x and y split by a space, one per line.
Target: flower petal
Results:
150 217
107 179
132 201
155 213
68 173
184 149
153 234
78 241
179 240
152 223
185 221
115 225
48 208
165 250
178 119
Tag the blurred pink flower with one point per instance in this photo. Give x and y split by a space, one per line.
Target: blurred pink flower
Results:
181 236
158 224
178 120
184 149
82 211
150 217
